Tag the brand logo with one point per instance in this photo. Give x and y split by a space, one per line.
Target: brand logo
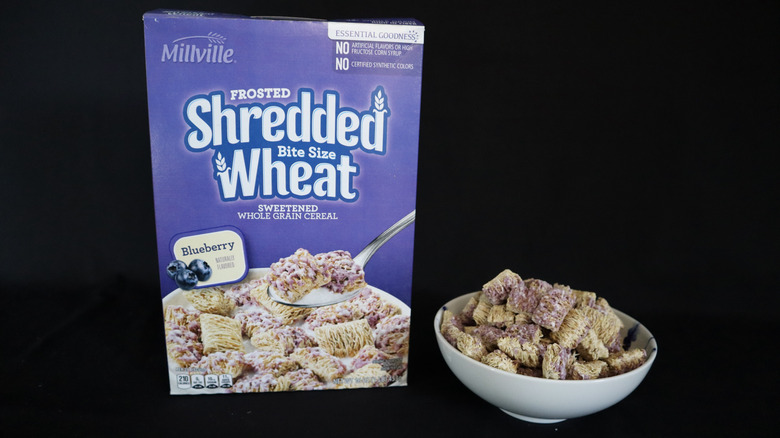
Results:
198 49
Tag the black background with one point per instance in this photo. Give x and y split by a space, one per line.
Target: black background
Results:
629 148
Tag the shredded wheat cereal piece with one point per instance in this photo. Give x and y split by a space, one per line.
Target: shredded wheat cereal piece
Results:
552 308
392 334
499 316
288 314
583 298
183 346
270 362
262 383
555 361
467 315
304 380
257 320
488 335
293 277
535 289
499 359
450 322
482 311
498 289
345 274
591 348
323 364
625 361
527 354
220 333
182 318
210 300
344 339
367 376
373 307
525 332
471 346
587 370
572 330
223 362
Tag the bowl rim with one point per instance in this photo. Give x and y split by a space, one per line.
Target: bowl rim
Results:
651 355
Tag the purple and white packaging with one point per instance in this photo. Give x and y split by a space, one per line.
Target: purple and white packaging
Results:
281 148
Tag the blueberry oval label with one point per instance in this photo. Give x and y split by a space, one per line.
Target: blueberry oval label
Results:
215 256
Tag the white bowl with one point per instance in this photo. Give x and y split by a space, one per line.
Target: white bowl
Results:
541 400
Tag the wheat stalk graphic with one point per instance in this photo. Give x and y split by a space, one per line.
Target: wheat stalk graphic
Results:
220 163
379 100
212 37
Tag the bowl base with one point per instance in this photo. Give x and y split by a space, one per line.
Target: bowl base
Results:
534 419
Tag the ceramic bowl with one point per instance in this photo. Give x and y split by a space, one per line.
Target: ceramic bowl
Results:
541 400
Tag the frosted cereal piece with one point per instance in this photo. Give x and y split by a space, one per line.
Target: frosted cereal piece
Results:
587 370
568 293
368 376
572 330
344 311
556 360
220 333
255 320
451 325
499 316
210 300
239 293
282 339
262 383
304 380
223 362
181 318
604 322
498 289
625 361
395 366
296 275
482 311
528 300
319 361
584 298
471 346
488 335
392 335
527 354
467 315
270 362
345 274
552 308
288 314
526 332
373 307
499 359
184 346
344 339
591 348
291 338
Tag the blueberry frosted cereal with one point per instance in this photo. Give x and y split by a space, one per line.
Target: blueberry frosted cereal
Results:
538 329
238 331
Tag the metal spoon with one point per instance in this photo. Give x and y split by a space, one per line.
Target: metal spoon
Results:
324 297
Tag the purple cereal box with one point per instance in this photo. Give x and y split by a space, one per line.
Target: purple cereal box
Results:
284 158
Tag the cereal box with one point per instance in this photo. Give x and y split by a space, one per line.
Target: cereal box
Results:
284 158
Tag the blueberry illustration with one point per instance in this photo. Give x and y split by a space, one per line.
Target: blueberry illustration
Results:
201 269
174 267
186 279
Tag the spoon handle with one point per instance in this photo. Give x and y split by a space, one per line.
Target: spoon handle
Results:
365 255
